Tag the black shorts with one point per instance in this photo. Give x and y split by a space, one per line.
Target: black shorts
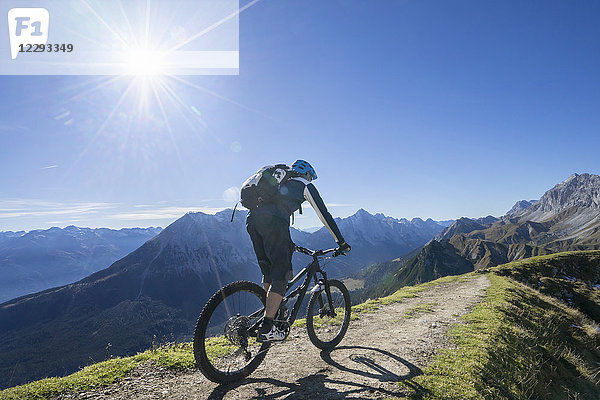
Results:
273 246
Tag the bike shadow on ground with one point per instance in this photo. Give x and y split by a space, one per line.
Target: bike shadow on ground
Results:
374 369
377 379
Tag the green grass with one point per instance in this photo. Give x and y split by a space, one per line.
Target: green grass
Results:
419 309
516 344
177 357
172 356
218 347
545 263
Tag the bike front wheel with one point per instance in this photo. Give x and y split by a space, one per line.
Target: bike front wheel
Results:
327 323
225 346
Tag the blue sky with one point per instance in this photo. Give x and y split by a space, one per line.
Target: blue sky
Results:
436 109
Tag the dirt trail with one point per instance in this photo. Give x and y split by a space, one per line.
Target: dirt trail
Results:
379 350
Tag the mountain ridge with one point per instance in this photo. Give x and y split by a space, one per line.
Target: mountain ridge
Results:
567 217
43 258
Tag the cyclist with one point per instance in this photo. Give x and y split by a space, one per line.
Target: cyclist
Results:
268 226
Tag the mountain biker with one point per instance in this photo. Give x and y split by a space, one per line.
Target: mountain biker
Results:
268 226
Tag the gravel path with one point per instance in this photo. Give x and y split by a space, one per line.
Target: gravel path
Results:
379 350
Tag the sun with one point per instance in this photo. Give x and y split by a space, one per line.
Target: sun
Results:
145 62
150 95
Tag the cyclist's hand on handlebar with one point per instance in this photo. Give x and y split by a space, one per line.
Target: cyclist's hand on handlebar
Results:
343 249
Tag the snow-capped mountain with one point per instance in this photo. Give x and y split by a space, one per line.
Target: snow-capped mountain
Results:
41 259
375 238
7 235
378 228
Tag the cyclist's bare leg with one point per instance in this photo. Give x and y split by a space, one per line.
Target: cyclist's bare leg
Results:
273 301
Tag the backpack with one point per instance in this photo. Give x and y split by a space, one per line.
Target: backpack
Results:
263 186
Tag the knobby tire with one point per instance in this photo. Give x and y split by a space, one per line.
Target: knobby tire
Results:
209 366
343 305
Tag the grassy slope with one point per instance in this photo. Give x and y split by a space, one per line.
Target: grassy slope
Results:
173 356
103 373
517 344
423 267
568 276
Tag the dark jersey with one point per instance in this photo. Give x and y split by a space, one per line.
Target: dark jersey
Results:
293 193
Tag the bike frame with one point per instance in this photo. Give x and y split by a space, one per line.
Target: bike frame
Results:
310 271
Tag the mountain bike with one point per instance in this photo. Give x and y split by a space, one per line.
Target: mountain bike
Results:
225 345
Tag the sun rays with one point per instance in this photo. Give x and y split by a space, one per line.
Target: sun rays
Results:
147 90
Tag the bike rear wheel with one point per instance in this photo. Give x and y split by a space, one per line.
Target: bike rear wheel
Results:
324 329
224 348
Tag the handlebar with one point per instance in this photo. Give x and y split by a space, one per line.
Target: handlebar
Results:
317 253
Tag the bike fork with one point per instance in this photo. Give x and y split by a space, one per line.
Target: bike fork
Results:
323 285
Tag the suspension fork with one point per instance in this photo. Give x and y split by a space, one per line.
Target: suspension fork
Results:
325 283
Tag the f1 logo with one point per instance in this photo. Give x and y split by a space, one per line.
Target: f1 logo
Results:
27 26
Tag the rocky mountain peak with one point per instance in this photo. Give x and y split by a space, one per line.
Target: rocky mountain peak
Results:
578 196
362 213
460 226
577 191
520 206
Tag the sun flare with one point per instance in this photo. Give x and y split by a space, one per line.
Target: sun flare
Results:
145 62
150 96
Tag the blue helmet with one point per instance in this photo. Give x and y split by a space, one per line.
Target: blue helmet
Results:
304 168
